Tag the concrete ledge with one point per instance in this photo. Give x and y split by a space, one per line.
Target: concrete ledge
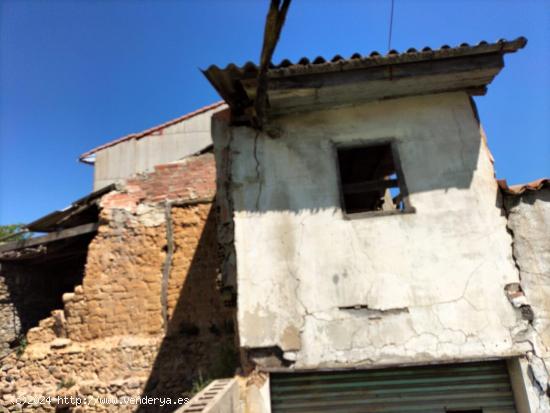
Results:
220 396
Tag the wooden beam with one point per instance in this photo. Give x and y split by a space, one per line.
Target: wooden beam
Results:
322 90
54 236
370 186
330 97
274 23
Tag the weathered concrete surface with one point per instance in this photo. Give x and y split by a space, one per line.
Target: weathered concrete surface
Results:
255 394
529 223
428 286
220 396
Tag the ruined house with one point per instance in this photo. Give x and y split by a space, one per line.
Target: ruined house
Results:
379 265
120 297
355 254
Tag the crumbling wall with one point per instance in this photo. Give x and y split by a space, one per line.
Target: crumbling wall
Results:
529 223
148 317
120 292
10 324
29 291
205 311
329 291
199 340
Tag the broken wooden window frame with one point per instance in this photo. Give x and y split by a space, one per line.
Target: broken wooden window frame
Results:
401 182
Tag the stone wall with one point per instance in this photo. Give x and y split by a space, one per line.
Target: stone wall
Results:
148 318
10 325
30 290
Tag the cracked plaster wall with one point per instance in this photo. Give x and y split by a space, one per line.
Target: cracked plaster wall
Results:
529 223
428 286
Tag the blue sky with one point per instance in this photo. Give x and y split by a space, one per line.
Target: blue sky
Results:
76 74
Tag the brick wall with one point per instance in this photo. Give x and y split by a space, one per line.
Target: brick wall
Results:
190 179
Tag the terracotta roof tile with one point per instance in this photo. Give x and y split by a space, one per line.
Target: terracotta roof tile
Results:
520 189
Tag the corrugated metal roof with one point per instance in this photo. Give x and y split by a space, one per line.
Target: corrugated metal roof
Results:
75 221
357 60
236 84
77 213
151 131
520 189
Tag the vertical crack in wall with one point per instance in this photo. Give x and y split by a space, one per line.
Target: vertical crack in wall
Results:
167 264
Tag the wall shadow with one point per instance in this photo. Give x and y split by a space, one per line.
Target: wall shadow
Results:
199 341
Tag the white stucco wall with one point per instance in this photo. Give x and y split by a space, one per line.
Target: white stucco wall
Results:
433 281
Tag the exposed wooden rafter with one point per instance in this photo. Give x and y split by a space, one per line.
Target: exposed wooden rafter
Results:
274 23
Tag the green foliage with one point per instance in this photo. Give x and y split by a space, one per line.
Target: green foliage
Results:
6 230
199 384
21 345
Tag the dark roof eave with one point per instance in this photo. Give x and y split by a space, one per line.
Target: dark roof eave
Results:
51 221
230 82
337 63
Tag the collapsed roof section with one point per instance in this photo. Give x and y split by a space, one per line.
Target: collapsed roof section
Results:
72 226
81 211
317 84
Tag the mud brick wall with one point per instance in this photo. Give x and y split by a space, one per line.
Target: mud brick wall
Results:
199 338
148 318
122 290
194 229
120 293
